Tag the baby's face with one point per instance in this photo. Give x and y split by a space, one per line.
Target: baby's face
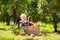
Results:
23 17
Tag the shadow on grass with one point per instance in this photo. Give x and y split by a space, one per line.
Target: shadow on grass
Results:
2 29
58 31
47 33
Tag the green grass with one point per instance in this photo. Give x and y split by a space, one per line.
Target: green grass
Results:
46 34
8 35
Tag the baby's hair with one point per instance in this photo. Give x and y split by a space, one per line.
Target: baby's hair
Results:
23 15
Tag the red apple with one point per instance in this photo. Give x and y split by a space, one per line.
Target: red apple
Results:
32 35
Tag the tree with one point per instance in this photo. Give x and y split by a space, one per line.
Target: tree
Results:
50 12
5 6
7 18
40 10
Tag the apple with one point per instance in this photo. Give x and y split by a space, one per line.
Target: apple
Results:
32 35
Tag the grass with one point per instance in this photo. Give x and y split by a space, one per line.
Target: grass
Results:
46 34
8 35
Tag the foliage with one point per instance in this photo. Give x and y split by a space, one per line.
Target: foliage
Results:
43 27
40 9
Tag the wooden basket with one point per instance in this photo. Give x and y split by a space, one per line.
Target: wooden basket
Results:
32 30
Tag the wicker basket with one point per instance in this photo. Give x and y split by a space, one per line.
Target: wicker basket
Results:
32 30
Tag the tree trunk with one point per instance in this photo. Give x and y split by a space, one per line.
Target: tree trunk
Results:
54 21
7 19
18 19
15 16
15 9
55 26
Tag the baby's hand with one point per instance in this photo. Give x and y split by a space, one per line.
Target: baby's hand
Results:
25 21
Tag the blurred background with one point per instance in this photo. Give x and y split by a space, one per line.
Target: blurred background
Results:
43 12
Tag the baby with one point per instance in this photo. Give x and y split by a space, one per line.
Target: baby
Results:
24 21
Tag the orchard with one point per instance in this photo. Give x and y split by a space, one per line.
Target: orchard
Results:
45 14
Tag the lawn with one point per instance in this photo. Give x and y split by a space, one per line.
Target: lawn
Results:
45 34
8 35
